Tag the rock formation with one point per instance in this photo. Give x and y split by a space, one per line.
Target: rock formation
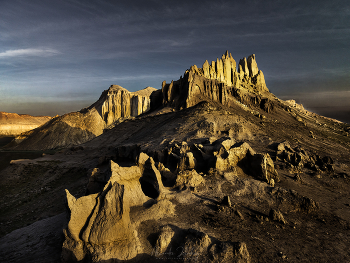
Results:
234 178
118 102
219 81
74 128
99 225
14 124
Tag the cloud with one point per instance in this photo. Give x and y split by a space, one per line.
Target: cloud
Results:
29 52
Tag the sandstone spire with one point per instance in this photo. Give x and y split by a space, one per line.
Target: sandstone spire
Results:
252 66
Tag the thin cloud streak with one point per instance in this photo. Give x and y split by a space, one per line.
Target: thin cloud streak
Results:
29 52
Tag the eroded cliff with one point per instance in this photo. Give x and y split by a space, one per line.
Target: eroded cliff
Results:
74 128
219 81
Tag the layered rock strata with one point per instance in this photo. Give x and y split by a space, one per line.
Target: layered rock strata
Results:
14 124
74 128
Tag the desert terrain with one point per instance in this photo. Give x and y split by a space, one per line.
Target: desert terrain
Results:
210 168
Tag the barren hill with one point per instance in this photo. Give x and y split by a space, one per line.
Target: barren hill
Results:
14 124
74 128
219 170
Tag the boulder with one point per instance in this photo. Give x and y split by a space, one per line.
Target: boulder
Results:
262 168
163 241
191 245
188 178
276 215
225 160
80 211
229 252
195 246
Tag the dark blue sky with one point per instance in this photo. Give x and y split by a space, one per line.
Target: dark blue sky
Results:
58 56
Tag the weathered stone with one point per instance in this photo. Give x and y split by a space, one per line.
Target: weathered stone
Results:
262 168
163 241
108 224
166 173
243 69
252 66
218 82
130 178
276 215
195 246
229 252
80 211
188 178
75 128
120 103
227 159
151 180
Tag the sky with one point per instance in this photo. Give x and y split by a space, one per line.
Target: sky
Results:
57 56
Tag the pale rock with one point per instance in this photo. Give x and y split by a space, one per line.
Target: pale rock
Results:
252 65
165 172
151 180
107 231
228 143
164 239
112 222
259 81
80 211
243 69
162 208
262 167
206 69
188 178
120 103
130 178
190 160
225 160
229 252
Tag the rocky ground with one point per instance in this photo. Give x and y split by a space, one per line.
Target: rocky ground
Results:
219 170
303 215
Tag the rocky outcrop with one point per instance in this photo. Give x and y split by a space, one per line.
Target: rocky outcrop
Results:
100 226
96 223
14 124
190 245
188 178
297 158
117 102
219 81
74 128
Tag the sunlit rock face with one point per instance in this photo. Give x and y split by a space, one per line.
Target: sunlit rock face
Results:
74 128
13 124
219 81
118 102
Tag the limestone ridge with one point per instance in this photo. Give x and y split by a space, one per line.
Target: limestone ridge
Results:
219 81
